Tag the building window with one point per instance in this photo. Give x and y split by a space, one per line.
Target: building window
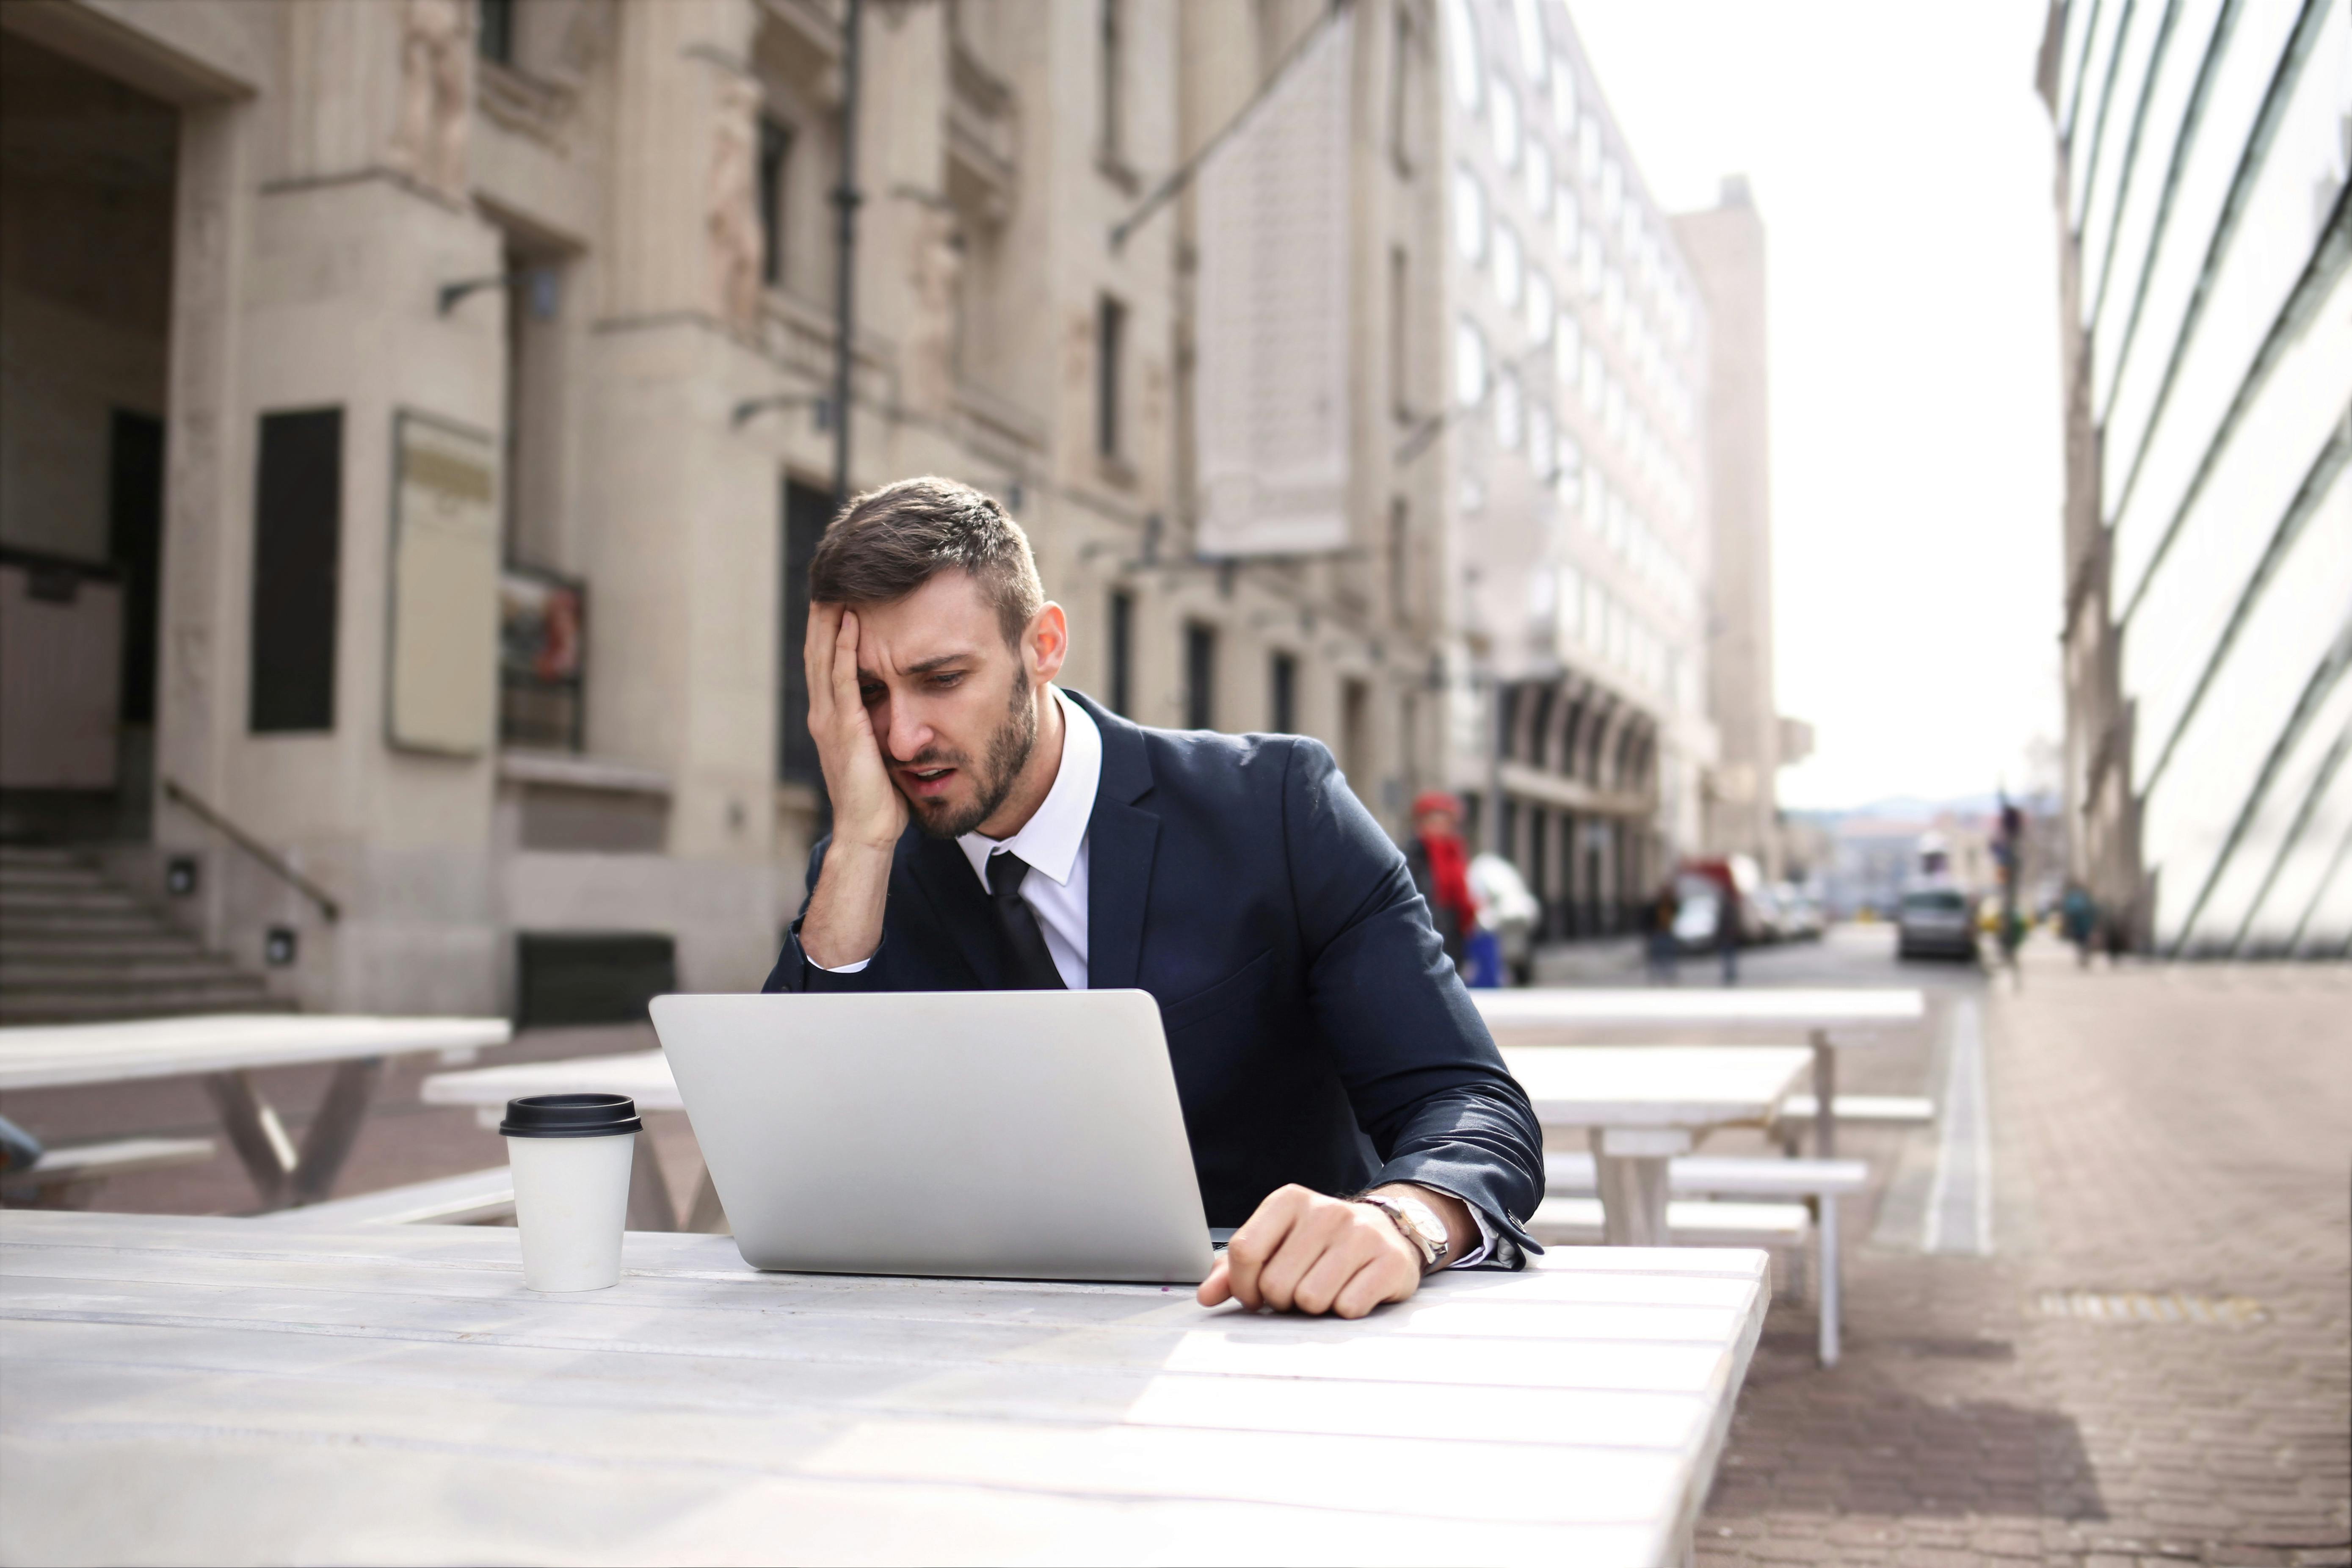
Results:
1121 695
1400 558
494 35
807 510
1462 51
1469 216
1400 333
1355 732
1404 119
1112 108
1534 57
1510 268
297 543
1469 365
775 159
1282 694
1510 412
1199 676
1503 124
1110 347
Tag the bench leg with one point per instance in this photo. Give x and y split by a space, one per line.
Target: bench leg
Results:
1828 1271
328 1143
1824 1096
650 1205
256 1133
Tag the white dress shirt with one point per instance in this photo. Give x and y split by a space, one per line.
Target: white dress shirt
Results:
1055 842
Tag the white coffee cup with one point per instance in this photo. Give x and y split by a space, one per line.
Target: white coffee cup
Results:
570 1155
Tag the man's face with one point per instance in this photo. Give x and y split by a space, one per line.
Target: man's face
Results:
954 708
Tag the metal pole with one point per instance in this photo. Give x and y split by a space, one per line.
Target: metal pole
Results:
846 197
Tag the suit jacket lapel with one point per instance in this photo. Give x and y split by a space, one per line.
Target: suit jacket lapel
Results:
1121 839
945 877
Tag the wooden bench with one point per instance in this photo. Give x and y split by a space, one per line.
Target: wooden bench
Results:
1795 1116
477 1197
64 1178
1770 1193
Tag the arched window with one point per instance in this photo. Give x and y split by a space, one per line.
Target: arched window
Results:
1503 121
1511 272
1534 57
1541 308
1469 364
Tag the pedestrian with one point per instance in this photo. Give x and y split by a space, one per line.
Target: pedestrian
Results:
1726 929
1658 920
1440 862
2078 916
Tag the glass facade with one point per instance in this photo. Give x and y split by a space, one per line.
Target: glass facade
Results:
2205 147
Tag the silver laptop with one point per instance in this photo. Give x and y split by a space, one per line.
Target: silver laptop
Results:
990 1135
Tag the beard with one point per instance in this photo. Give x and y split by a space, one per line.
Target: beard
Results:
1008 753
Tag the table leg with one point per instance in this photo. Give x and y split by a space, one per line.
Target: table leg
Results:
256 1133
328 1143
1824 1096
1630 1165
650 1205
1827 1293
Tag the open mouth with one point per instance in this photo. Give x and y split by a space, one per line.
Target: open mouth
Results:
925 783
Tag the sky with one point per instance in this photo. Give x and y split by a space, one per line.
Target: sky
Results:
1902 165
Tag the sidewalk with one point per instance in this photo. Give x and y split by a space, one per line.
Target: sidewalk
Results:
2164 1140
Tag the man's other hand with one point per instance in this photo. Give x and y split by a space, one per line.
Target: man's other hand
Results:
1304 1252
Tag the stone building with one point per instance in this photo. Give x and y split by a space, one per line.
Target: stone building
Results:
1725 246
414 438
2205 273
1575 500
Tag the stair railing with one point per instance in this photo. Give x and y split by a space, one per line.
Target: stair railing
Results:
267 858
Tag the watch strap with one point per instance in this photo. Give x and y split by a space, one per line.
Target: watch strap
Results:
1432 1249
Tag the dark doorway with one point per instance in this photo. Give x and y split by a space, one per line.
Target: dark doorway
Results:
134 504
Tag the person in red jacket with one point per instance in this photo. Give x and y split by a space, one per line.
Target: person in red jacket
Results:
1441 869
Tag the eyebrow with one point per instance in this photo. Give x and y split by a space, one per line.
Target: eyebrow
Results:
924 667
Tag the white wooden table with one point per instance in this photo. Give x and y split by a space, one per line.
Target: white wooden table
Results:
1645 1104
1824 1019
210 1390
643 1076
224 1050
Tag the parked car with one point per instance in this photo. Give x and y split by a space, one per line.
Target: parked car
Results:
1801 918
1935 923
1509 911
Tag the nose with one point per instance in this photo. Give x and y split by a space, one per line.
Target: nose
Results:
904 732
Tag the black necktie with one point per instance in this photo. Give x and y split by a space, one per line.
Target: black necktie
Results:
1028 965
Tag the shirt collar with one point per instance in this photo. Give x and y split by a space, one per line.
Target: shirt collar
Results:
1049 840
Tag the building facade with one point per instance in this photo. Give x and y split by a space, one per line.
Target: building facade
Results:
416 433
1577 546
1725 246
2207 317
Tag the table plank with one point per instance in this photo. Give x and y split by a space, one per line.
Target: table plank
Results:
1854 1015
46 1055
705 1411
1691 1086
644 1076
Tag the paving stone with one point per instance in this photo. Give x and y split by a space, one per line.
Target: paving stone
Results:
2151 1134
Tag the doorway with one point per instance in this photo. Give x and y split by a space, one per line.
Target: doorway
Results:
87 176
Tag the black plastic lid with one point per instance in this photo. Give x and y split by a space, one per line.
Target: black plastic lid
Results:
570 1116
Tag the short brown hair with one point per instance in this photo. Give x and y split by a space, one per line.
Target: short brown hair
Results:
890 541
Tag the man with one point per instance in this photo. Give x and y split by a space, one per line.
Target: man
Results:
991 831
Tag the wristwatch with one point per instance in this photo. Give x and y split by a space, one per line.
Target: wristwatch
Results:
1419 1225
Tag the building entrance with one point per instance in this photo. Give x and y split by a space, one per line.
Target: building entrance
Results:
88 168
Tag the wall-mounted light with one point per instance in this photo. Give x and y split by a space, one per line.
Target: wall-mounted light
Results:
542 290
279 947
821 407
180 876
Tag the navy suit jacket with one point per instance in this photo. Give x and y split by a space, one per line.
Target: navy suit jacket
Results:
1317 1031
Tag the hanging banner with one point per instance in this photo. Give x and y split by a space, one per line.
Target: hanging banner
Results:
444 620
1270 384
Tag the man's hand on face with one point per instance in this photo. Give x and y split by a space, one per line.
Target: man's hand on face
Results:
868 809
1304 1252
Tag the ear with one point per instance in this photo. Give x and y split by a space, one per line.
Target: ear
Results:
1047 643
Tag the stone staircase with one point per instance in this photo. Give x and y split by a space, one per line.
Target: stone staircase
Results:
76 947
